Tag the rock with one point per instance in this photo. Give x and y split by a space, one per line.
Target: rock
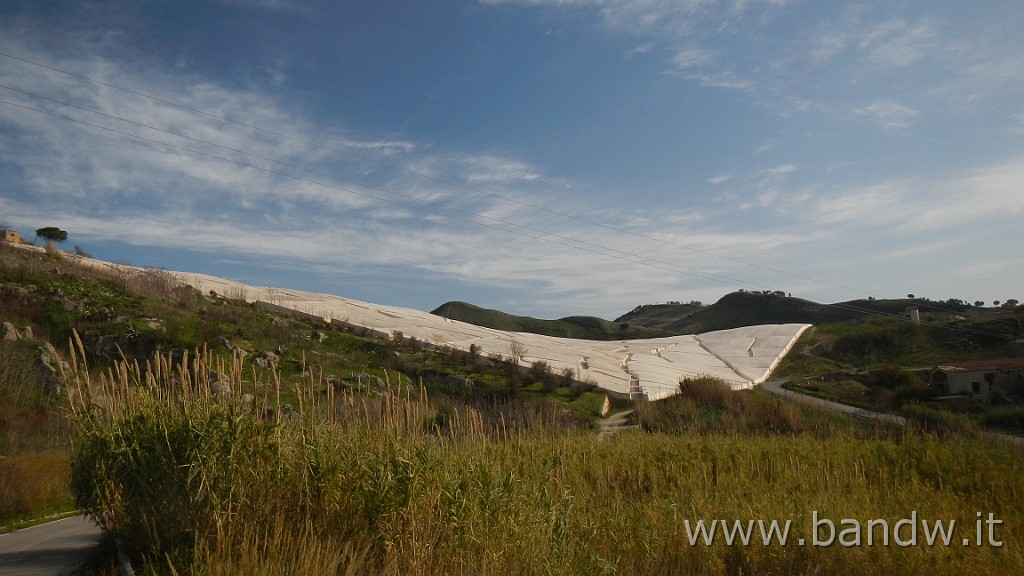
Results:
247 399
220 389
266 359
54 366
319 336
27 333
9 332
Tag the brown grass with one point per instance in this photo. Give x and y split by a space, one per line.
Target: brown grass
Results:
34 484
347 484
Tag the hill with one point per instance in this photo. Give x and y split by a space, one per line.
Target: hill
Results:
580 327
735 310
751 308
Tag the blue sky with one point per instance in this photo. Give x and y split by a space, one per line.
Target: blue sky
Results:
544 157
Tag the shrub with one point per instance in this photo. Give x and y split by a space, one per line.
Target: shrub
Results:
1005 417
709 405
936 421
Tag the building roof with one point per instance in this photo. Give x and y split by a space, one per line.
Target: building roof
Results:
983 365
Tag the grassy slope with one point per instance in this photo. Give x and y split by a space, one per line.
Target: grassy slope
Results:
360 486
138 316
393 484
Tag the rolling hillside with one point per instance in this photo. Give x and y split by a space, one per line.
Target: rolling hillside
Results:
582 327
735 310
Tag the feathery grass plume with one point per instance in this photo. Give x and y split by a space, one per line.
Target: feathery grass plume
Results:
195 482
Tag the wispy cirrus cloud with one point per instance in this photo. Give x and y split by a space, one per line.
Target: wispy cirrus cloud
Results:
691 57
890 115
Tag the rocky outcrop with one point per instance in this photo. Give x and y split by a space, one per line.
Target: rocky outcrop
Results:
10 333
265 359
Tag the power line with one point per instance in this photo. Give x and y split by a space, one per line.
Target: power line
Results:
470 217
452 183
538 234
438 180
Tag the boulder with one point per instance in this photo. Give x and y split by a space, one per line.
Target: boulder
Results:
9 332
54 366
221 389
265 359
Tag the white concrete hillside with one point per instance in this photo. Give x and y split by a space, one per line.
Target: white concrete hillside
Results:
743 357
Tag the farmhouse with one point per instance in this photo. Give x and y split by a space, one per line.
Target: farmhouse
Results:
10 236
985 379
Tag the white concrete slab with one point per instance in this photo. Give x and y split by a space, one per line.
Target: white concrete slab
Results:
743 357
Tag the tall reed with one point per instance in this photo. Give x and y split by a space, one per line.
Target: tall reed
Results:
197 482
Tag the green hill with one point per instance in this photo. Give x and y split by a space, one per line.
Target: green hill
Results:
735 310
749 308
582 327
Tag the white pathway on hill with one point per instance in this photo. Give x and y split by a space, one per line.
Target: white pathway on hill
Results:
651 368
743 357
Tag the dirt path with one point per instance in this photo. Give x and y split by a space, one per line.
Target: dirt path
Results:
614 423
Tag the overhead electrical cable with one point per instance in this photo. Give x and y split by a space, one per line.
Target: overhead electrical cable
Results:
471 217
436 179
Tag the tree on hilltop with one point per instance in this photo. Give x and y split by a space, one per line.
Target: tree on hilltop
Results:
52 235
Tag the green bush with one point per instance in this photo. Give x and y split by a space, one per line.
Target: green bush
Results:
709 405
1004 417
935 421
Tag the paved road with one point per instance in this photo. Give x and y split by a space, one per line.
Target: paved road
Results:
775 387
53 548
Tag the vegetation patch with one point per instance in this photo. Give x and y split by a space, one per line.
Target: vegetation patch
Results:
402 484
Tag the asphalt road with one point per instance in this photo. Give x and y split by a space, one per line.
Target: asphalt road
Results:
47 549
775 387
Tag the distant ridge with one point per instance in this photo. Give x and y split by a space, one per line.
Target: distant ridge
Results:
741 309
580 327
734 310
751 308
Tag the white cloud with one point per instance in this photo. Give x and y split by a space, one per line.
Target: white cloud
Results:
890 115
827 47
724 80
894 43
489 169
869 206
988 194
641 49
780 170
692 57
